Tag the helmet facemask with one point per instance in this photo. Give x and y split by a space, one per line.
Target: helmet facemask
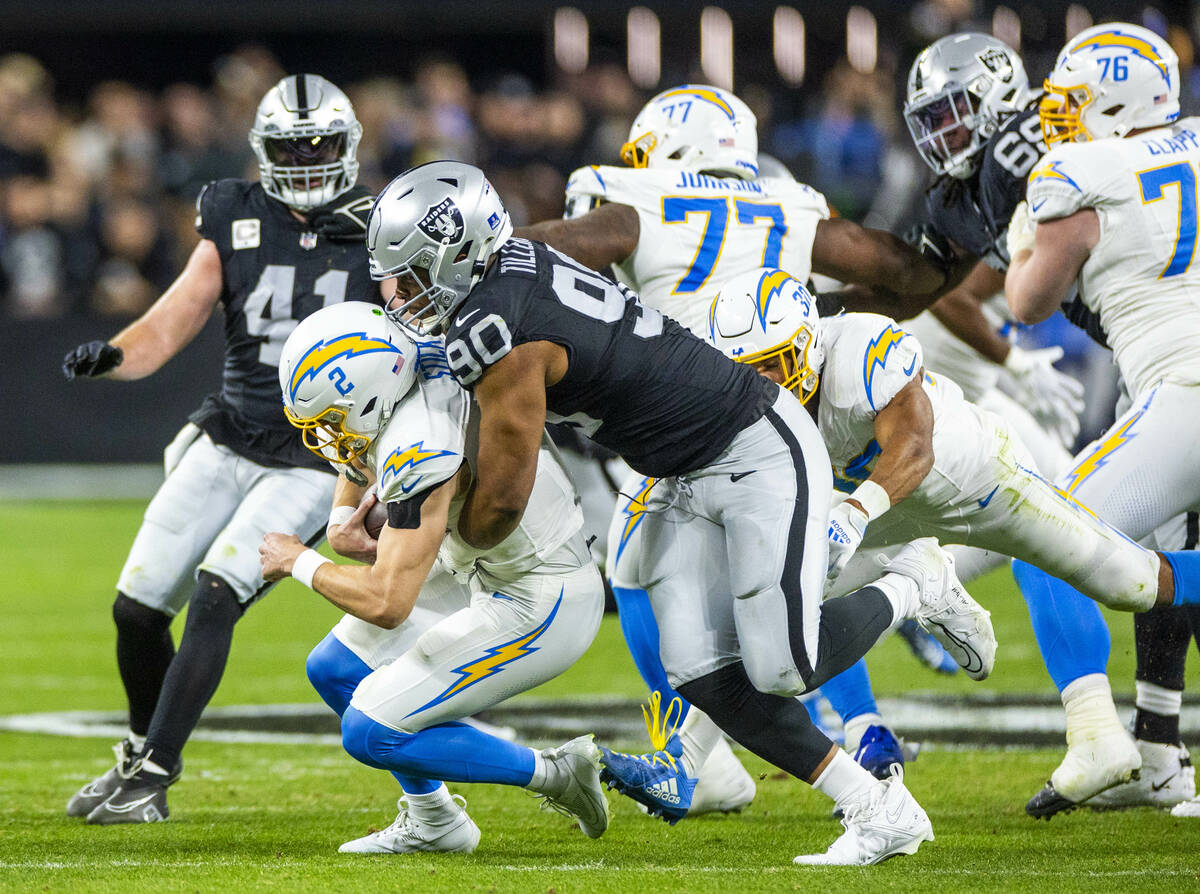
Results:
1061 114
949 132
326 436
797 370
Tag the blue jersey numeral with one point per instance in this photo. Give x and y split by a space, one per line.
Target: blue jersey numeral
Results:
1183 177
675 209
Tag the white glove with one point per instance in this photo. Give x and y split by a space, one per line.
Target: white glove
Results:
1054 398
847 525
1021 230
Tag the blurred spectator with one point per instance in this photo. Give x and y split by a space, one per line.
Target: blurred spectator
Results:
32 253
139 263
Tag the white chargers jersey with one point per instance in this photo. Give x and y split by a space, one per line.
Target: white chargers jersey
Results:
1139 278
429 435
868 360
698 230
946 353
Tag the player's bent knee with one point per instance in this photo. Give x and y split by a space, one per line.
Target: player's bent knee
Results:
335 672
131 616
366 740
774 678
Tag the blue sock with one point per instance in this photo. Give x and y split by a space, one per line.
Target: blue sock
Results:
850 692
451 751
640 628
1069 628
1186 568
335 673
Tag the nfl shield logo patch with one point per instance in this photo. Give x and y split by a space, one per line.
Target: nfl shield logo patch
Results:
308 241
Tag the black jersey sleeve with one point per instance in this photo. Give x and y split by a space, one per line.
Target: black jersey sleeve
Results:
217 216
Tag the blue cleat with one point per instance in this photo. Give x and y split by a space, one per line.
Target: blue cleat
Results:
926 649
878 751
655 780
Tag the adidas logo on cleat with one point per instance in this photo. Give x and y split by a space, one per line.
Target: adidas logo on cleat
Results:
667 790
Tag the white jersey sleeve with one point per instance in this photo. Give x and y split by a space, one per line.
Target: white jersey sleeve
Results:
696 231
424 441
1068 179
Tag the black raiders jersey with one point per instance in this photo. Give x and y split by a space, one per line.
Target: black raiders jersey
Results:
275 271
637 382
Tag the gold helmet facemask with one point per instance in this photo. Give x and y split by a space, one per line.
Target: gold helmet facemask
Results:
798 375
326 435
1061 113
636 153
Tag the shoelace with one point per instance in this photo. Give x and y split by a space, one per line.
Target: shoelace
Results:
660 726
870 805
135 764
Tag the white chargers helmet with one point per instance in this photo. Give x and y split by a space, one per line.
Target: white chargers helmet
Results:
305 136
434 228
768 317
961 88
1107 81
343 370
695 127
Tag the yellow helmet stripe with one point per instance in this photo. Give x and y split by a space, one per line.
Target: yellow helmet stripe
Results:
1137 45
705 94
320 355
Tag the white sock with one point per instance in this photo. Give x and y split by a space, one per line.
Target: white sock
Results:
854 728
1159 699
431 806
138 742
699 736
543 772
151 767
903 593
844 780
1089 706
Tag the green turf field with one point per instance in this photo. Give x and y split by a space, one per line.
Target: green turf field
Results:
270 817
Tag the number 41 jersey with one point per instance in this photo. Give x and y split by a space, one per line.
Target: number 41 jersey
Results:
637 382
275 271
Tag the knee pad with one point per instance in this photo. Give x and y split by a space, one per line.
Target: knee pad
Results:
131 616
363 738
335 672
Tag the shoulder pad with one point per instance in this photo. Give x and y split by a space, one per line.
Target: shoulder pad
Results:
413 468
796 195
591 180
874 357
1059 185
218 205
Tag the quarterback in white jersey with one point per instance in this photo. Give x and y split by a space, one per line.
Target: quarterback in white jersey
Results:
435 630
1112 209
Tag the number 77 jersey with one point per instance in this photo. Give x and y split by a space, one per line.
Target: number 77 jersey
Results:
1141 278
698 230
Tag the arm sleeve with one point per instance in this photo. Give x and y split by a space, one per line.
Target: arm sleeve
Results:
1058 186
407 513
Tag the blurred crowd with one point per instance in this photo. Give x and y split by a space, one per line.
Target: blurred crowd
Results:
97 195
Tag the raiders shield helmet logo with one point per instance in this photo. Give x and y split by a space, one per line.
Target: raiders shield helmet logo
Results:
443 222
997 62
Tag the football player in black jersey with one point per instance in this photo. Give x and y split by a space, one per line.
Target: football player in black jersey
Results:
271 253
975 122
735 528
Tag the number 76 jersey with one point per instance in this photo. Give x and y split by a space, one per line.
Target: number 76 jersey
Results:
698 230
1141 278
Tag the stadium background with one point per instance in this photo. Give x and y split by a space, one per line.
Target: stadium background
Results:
112 116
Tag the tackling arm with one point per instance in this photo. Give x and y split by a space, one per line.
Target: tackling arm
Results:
904 433
608 234
512 406
959 311
1040 275
854 254
174 319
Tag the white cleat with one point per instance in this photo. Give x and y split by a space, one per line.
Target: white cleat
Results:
577 790
1188 809
1167 778
724 786
1094 762
457 834
887 822
947 611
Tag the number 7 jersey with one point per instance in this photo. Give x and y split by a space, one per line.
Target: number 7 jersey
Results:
698 230
1141 277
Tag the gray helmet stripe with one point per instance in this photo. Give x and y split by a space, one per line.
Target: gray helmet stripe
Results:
302 95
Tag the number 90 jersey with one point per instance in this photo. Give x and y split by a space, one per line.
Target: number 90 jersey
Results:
637 382
429 435
698 230
1140 278
275 271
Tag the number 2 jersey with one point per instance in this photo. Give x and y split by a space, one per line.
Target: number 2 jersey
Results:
1140 277
429 435
637 382
696 231
275 271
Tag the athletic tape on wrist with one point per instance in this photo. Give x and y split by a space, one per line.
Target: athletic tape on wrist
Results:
339 515
306 566
873 498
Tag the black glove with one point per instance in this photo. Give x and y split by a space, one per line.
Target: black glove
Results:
932 245
345 218
92 359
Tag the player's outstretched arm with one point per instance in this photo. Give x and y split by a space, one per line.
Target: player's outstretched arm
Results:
512 416
855 254
608 234
173 320
1046 260
382 594
959 310
904 433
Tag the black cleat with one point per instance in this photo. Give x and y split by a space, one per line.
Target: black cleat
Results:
140 798
102 788
1048 802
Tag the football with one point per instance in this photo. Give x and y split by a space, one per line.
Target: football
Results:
376 519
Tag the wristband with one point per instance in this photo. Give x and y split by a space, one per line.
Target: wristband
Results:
339 515
306 566
873 499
